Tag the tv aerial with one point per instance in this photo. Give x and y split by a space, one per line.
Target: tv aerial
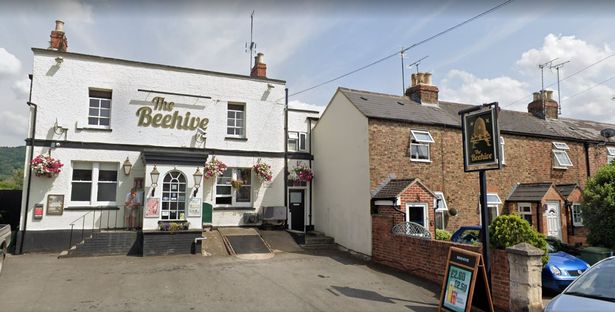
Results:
252 45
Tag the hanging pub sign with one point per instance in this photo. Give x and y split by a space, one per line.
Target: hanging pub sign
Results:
481 140
465 283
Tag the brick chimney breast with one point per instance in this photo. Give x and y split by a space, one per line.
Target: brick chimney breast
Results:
58 41
260 69
551 108
421 90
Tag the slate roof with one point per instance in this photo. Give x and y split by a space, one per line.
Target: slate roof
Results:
402 108
532 192
565 189
393 188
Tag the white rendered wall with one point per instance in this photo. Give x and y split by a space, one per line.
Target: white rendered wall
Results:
342 207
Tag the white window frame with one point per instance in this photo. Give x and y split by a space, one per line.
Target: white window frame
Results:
298 139
234 202
177 200
502 150
490 204
564 163
523 212
95 167
99 100
416 141
425 213
238 115
575 220
560 146
610 154
440 211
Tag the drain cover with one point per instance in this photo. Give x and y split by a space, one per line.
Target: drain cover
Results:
247 244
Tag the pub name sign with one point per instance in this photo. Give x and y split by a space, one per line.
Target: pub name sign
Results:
163 116
481 140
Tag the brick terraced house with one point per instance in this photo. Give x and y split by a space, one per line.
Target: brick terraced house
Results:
370 140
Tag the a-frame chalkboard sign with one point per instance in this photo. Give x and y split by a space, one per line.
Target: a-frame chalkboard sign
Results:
465 283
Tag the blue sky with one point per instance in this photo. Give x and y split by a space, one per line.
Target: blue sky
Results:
494 58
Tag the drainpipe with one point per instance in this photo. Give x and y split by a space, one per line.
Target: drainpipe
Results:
586 148
286 152
310 226
29 142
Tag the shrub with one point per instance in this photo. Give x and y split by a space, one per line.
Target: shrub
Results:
599 207
509 230
443 235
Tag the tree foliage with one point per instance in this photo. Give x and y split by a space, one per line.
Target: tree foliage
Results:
509 230
598 209
443 235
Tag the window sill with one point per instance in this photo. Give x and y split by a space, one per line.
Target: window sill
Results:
420 160
88 208
233 208
562 168
235 138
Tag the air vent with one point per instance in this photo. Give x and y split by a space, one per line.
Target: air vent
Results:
363 98
400 103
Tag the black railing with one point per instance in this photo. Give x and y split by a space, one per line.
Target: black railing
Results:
93 212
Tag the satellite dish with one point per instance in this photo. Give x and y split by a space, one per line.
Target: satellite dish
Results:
607 133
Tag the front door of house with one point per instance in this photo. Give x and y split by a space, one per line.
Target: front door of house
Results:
553 220
297 209
417 213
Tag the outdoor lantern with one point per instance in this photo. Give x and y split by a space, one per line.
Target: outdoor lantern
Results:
127 166
154 175
198 176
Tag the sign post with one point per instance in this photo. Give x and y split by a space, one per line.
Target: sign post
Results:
481 152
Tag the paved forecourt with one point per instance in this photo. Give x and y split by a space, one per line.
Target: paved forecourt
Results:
320 281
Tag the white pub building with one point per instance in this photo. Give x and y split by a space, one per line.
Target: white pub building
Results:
137 142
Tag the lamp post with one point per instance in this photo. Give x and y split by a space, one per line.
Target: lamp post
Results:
198 177
154 175
127 166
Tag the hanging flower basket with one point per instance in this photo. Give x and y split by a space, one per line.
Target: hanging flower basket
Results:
46 166
301 173
214 168
237 184
263 171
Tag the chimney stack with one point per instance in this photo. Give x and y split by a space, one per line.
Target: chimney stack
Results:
260 69
550 108
58 40
421 90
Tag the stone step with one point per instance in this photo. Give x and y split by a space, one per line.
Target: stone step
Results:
311 240
103 243
319 246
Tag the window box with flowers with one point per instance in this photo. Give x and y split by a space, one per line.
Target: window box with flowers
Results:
46 166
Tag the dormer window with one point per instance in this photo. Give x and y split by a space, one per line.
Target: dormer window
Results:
561 160
419 145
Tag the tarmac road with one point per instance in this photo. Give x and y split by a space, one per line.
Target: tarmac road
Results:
319 281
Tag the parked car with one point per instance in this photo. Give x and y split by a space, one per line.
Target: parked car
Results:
559 272
592 291
5 241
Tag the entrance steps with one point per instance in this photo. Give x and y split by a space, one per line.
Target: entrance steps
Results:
314 240
105 243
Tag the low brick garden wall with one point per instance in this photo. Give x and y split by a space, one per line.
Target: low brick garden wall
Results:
427 258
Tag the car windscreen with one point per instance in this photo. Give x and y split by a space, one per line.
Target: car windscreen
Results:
597 283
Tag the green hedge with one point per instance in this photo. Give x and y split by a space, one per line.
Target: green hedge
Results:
509 230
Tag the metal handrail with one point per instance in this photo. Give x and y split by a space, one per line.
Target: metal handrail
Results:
82 218
411 229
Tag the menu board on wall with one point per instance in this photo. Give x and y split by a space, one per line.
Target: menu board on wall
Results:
465 282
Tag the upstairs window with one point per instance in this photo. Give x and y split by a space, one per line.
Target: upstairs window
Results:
610 154
561 160
235 122
99 112
419 145
297 141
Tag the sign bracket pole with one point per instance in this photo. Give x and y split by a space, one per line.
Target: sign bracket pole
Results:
485 223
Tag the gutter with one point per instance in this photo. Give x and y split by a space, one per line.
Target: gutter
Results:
30 142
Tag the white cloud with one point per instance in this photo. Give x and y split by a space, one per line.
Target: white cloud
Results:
15 127
21 88
74 10
9 63
464 87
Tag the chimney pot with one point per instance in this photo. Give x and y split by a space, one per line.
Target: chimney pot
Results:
59 25
260 69
428 79
543 105
259 58
536 96
549 95
421 90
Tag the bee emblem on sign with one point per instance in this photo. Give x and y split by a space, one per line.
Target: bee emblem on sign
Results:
480 133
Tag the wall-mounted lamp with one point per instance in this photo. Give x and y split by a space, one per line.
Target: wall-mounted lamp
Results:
198 177
58 129
154 175
200 135
127 166
59 60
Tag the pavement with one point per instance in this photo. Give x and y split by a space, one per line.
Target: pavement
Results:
317 281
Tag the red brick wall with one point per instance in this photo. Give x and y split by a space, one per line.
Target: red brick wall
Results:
427 258
527 160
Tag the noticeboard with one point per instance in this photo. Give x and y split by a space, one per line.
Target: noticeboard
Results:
481 140
465 282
